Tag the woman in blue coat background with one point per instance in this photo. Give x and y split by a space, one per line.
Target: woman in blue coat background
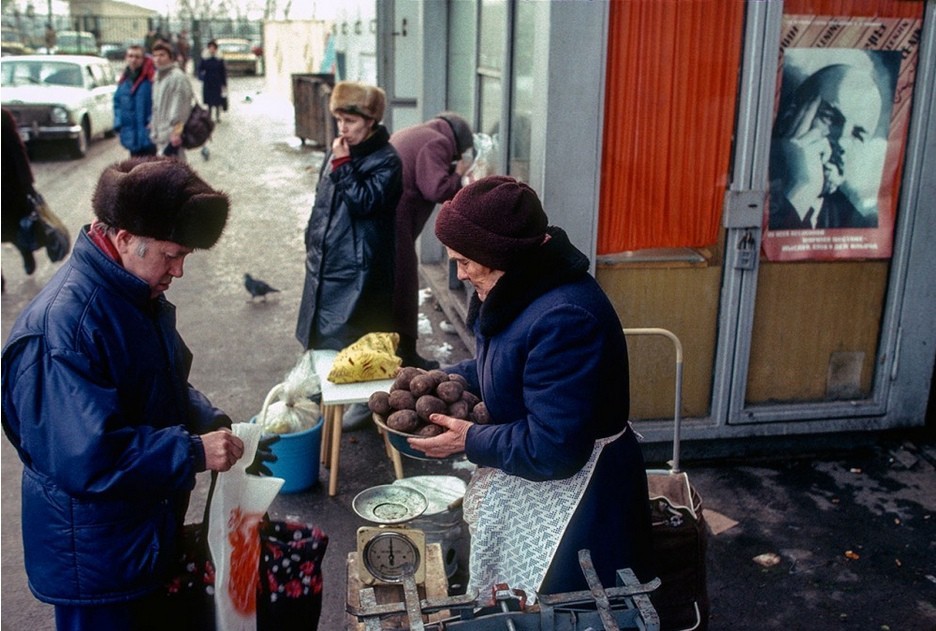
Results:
133 103
559 468
213 74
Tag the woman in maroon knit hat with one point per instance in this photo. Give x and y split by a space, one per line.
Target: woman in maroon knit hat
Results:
559 468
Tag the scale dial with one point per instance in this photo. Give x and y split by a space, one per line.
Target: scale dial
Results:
388 554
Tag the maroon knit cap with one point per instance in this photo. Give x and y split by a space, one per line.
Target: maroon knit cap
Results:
494 221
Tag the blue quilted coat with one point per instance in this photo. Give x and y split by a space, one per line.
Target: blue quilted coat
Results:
97 403
551 366
133 108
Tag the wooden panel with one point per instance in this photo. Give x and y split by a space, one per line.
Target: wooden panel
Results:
808 316
683 300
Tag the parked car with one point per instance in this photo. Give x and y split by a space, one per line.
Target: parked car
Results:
238 56
12 44
60 97
73 43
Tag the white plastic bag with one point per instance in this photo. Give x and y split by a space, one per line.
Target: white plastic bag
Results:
485 162
295 411
237 507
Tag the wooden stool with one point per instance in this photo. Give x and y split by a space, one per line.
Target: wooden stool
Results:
334 399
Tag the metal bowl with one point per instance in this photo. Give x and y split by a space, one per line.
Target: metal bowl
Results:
389 504
398 441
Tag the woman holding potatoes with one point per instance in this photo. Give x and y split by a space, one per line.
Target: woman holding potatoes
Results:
559 468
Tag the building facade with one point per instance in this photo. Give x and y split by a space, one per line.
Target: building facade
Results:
676 142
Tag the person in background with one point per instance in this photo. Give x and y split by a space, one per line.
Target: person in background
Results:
434 161
183 48
551 368
133 103
17 186
348 288
213 75
50 37
172 103
97 403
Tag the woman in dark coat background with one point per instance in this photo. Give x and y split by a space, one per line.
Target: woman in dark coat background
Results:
17 185
349 239
559 468
213 74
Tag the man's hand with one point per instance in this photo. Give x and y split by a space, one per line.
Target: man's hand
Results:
806 149
450 442
222 449
175 141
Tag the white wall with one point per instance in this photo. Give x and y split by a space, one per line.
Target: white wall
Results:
292 47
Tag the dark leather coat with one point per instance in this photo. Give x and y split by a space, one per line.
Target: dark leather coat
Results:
349 241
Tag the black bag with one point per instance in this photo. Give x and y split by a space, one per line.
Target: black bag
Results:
224 103
197 128
680 540
42 228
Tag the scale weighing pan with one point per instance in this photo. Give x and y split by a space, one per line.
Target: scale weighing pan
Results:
389 504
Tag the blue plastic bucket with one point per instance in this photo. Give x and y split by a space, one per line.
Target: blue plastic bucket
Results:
297 458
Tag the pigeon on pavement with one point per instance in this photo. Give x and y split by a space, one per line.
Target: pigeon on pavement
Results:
257 287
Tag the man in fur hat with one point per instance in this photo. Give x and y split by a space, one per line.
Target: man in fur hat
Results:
97 402
433 166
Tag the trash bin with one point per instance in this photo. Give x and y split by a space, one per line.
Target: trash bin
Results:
314 121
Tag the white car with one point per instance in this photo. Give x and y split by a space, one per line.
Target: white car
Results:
59 97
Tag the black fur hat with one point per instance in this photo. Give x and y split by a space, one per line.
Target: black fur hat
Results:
161 198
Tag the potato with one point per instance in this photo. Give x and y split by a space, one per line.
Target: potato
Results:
404 421
470 399
458 409
422 384
439 375
429 430
480 415
456 377
428 404
404 377
449 391
379 403
402 400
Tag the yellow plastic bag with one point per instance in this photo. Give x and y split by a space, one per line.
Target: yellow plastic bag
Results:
371 357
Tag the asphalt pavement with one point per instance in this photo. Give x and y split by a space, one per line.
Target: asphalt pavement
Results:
842 539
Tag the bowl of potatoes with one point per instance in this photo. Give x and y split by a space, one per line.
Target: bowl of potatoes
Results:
404 411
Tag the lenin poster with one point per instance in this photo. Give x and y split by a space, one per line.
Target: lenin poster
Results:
844 95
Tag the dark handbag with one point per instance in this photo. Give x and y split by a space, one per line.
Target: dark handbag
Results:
42 228
197 128
224 103
289 590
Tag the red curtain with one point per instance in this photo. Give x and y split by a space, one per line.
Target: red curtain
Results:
669 117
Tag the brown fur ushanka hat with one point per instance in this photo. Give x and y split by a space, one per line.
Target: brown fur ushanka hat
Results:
161 198
358 98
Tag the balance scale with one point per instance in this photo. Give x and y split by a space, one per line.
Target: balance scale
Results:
389 552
